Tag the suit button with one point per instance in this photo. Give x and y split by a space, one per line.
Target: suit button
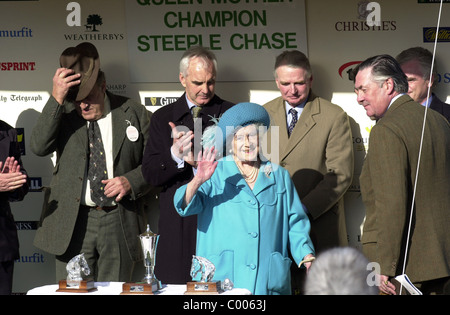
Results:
162 166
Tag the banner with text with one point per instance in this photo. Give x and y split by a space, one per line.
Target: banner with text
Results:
159 31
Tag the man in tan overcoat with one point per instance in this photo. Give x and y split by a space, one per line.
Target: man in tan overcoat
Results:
317 151
388 181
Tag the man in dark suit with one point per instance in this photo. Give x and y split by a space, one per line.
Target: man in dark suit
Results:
400 229
169 158
101 219
13 187
416 63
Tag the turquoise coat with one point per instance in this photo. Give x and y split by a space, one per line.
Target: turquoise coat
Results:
247 234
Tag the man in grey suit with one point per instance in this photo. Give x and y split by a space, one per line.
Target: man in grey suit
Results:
315 145
73 221
400 229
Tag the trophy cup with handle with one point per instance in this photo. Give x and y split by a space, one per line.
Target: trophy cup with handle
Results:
149 284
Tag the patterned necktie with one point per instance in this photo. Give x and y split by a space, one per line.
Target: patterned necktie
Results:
293 113
97 166
196 111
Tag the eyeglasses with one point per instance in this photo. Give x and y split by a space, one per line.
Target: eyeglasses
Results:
250 136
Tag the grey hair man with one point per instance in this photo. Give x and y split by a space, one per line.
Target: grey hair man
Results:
169 159
391 191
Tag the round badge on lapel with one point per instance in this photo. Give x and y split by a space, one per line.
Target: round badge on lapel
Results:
132 132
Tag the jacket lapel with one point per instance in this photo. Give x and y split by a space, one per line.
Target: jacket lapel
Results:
182 114
303 126
79 126
233 176
265 178
119 120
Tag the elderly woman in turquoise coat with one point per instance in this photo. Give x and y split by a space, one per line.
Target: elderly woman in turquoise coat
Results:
249 214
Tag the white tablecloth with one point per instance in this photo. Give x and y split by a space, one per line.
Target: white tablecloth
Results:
115 288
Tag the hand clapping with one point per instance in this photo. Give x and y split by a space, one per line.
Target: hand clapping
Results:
11 177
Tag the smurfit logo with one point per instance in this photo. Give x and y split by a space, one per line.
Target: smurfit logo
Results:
21 33
35 258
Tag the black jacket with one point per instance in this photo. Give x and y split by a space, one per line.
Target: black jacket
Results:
9 243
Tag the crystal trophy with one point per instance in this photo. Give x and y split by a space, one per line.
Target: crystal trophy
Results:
205 285
76 281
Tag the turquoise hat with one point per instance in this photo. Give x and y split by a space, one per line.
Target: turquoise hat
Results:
240 115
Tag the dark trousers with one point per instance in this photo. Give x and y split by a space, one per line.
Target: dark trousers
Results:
99 235
6 277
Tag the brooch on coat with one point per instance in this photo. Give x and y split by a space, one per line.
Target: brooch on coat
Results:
268 170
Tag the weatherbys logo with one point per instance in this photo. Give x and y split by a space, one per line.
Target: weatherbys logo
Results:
429 34
92 27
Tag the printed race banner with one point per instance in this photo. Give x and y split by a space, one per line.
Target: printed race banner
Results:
245 35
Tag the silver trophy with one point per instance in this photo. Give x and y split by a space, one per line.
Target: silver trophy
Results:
149 242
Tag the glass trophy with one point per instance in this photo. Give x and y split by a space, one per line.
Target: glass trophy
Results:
77 273
205 286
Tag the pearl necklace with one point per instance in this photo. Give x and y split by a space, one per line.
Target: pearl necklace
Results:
250 178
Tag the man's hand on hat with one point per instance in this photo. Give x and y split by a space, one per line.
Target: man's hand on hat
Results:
63 80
